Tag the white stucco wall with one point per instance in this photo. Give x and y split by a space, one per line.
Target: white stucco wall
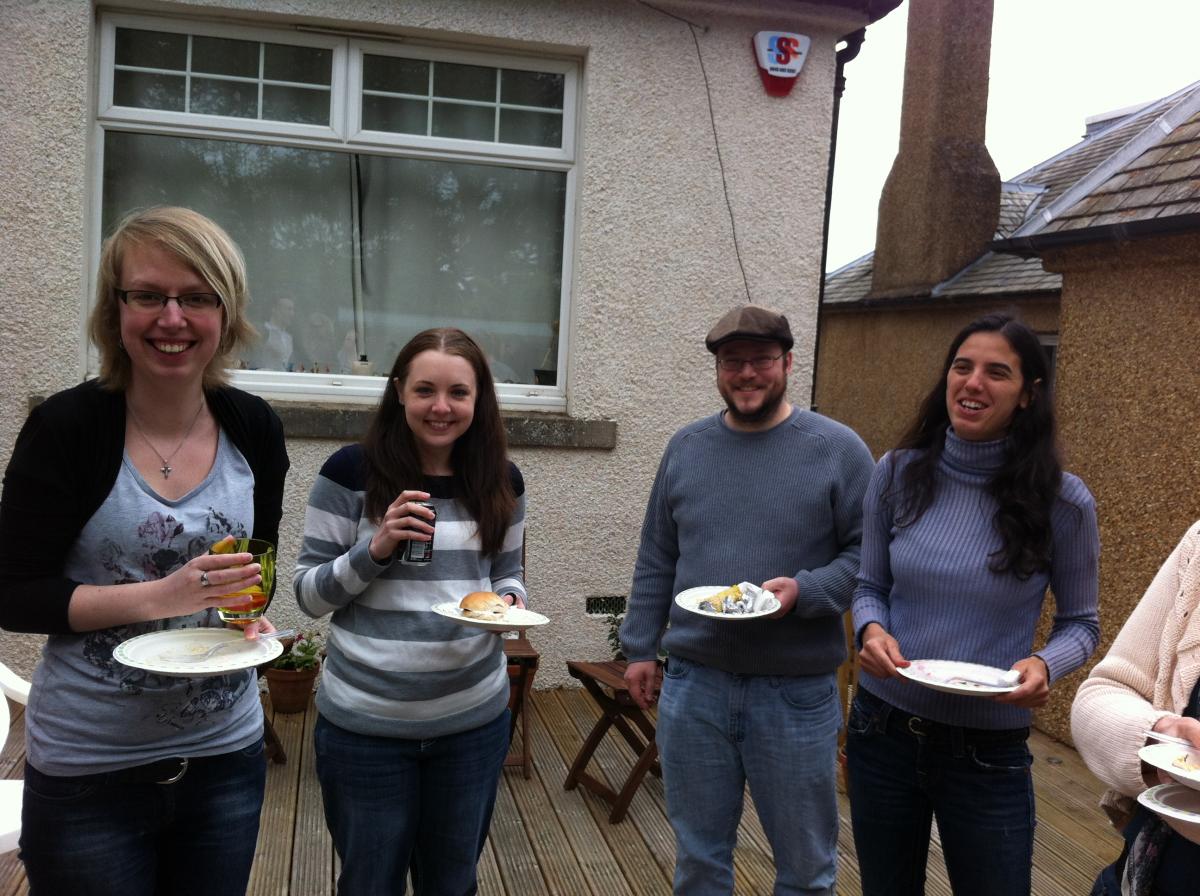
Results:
653 259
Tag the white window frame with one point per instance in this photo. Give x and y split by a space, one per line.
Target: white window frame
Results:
1050 341
354 127
345 133
191 121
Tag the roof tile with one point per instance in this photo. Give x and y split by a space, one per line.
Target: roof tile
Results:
1162 181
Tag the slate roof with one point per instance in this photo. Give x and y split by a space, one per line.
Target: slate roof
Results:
1152 173
991 274
1144 167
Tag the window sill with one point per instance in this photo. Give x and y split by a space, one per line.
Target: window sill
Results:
348 422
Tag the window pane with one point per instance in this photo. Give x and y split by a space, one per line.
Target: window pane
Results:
530 128
396 75
212 97
531 88
384 113
297 104
221 56
464 82
464 122
289 211
146 91
476 246
151 49
305 65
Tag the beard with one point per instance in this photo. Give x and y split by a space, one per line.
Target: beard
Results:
770 405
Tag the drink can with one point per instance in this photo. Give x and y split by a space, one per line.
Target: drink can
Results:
418 553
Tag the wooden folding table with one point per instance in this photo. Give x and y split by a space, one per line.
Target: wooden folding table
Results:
522 666
606 683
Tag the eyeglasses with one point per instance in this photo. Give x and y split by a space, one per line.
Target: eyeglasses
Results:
143 300
758 362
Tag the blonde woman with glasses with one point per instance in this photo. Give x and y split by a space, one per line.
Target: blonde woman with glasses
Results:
138 783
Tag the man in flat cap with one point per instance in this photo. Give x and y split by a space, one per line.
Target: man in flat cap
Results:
767 493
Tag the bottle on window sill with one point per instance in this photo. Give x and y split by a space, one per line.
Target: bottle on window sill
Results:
362 367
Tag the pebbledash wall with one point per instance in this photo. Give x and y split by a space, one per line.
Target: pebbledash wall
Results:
651 258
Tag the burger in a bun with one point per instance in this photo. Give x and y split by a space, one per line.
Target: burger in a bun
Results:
483 605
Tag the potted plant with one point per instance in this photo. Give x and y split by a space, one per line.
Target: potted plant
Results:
613 621
291 676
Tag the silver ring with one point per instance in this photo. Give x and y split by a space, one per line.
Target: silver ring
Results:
204 582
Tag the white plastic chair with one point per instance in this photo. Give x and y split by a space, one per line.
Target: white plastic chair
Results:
14 688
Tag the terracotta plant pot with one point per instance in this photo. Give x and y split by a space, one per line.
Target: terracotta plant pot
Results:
291 688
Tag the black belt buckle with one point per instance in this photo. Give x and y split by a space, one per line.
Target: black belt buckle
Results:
173 774
162 771
916 725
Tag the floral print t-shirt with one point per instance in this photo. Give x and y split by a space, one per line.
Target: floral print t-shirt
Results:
90 714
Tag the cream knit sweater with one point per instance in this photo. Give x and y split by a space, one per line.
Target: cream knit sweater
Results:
1149 672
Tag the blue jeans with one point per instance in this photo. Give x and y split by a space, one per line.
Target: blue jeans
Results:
392 803
96 835
716 732
905 771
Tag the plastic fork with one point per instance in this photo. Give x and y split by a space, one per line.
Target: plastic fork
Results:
1004 680
1170 739
216 648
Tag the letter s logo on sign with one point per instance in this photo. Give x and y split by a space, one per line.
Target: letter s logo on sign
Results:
780 56
784 48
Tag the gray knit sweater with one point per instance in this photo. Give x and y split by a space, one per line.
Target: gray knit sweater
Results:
394 668
730 506
929 584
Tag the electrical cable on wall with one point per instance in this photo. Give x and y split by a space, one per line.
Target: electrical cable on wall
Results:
712 120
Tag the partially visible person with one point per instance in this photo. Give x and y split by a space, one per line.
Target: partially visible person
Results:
319 345
1148 681
965 526
760 492
274 351
502 372
414 722
348 353
137 782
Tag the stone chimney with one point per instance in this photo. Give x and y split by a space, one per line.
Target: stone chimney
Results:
941 202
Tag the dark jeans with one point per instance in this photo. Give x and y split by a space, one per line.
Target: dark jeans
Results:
96 835
390 803
904 772
1178 864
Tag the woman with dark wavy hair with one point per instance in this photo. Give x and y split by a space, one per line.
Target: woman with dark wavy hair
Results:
414 725
965 526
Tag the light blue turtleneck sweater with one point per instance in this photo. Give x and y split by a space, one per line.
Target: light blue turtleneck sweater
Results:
929 584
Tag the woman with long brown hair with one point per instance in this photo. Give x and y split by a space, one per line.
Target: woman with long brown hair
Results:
965 526
413 725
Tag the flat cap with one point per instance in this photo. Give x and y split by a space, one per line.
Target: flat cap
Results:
750 322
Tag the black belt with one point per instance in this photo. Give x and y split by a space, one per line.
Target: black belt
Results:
939 732
900 722
164 771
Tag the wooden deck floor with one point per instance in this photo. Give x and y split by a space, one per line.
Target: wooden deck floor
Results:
545 840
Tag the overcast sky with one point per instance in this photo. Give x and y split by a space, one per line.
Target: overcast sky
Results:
1054 63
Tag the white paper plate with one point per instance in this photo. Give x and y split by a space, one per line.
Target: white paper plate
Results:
944 675
690 601
167 652
1163 756
1175 801
515 619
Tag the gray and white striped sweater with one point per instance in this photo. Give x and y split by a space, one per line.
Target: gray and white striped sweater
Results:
395 669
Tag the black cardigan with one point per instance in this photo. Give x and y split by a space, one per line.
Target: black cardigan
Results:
63 466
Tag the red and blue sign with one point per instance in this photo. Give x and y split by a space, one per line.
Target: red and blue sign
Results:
780 56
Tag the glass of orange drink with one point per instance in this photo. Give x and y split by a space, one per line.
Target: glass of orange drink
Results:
249 604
